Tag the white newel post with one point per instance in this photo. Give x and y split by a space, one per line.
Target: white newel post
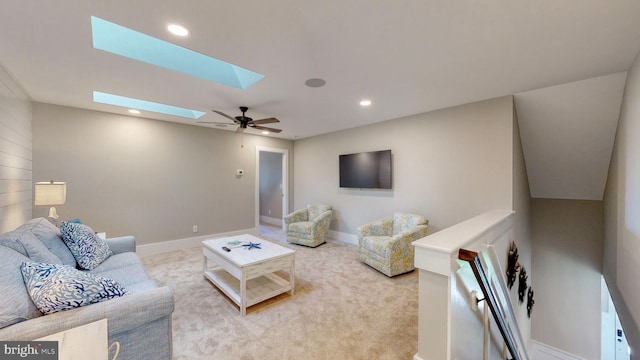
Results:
436 258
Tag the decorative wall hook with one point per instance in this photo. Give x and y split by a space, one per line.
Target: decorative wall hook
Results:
522 284
513 266
530 302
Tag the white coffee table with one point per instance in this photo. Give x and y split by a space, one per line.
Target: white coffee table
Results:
248 276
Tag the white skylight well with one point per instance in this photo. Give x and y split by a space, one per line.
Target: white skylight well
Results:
129 103
125 42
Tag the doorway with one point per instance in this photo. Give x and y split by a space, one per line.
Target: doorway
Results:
272 186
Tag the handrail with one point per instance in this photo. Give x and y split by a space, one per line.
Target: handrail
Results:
483 280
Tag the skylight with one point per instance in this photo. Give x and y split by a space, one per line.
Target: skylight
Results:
122 41
118 100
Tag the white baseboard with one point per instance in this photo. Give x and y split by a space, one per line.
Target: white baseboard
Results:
172 245
344 237
270 220
186 243
540 351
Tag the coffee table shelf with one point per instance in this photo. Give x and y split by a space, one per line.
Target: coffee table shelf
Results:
248 277
258 289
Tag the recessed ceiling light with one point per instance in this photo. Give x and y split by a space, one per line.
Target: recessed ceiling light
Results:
265 133
178 30
134 111
365 102
315 83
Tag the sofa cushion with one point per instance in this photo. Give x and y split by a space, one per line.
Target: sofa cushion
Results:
23 241
50 236
16 303
87 248
125 268
55 287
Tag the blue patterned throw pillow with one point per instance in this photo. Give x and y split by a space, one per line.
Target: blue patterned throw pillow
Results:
88 249
54 287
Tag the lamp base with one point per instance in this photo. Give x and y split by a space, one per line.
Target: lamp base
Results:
53 216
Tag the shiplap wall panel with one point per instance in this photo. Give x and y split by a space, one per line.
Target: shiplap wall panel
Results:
16 148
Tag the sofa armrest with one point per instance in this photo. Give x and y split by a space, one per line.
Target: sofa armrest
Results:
124 313
296 216
121 244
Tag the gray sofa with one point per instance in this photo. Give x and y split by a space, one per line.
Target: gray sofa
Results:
140 320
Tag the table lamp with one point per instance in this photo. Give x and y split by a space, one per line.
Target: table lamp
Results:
50 193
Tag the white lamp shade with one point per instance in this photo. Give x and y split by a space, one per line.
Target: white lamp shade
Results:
50 193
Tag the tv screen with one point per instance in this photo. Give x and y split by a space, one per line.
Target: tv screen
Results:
366 170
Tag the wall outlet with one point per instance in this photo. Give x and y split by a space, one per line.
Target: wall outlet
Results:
239 172
195 229
269 211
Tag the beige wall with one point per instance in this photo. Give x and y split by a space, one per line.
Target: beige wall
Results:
622 213
152 179
521 228
567 265
15 154
448 165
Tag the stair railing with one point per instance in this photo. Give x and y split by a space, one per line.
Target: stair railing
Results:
491 299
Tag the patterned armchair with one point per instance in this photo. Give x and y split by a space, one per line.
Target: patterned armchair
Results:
308 226
385 244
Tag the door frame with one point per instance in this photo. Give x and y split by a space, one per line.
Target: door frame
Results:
285 182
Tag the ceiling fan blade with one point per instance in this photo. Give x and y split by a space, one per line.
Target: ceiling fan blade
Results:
213 122
266 121
265 128
239 130
223 114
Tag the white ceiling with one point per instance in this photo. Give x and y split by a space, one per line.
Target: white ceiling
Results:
407 57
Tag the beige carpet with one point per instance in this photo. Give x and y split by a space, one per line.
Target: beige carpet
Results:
341 309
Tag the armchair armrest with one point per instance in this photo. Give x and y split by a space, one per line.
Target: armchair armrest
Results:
401 243
296 216
409 236
121 244
321 223
412 235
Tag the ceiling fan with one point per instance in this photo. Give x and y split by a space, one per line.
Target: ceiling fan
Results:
244 121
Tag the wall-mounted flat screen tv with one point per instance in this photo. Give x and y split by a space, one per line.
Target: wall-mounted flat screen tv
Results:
366 170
